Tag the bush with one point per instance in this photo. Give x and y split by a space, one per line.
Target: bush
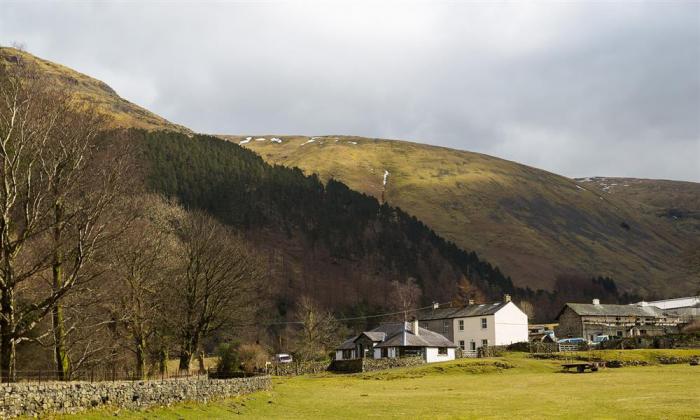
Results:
521 346
253 357
228 364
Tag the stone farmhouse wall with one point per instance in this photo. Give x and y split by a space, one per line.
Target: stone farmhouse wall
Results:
36 399
570 324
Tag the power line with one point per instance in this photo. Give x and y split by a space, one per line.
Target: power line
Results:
356 317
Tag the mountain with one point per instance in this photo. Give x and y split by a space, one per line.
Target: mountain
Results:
121 113
533 224
525 224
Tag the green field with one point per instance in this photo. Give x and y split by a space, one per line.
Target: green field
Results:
510 387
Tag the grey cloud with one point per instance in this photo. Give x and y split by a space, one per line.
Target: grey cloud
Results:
578 89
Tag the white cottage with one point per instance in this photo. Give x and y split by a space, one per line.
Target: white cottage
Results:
398 339
478 324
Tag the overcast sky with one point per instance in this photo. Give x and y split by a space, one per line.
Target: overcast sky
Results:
579 89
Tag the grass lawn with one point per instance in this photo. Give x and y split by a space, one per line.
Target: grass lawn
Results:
512 387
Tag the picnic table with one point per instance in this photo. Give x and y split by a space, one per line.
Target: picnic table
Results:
582 366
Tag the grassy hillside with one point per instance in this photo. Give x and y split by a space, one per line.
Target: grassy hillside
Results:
533 224
122 113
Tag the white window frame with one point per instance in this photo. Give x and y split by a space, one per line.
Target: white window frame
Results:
484 323
461 324
462 345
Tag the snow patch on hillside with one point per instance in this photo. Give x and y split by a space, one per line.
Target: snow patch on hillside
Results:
261 139
311 140
276 140
386 175
247 140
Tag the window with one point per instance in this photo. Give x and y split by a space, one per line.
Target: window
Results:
642 332
484 343
461 345
385 352
619 333
442 351
484 323
461 325
445 326
472 345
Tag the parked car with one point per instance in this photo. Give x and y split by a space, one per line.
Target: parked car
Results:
599 339
283 358
577 340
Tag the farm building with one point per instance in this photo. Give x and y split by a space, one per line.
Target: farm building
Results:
588 320
687 308
477 325
397 339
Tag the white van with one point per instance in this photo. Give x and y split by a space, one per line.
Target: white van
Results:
283 358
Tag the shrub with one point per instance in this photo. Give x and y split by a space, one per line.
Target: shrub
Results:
253 357
228 363
521 346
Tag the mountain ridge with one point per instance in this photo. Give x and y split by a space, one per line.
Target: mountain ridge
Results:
533 224
530 217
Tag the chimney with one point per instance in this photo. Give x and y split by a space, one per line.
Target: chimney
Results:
470 301
436 305
415 327
596 301
506 298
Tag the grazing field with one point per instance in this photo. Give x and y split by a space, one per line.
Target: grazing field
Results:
509 387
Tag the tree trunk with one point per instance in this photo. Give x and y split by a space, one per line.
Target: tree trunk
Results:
59 330
163 361
140 357
7 342
188 348
185 358
59 335
200 357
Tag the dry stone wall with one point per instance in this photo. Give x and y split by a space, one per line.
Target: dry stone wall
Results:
368 365
33 399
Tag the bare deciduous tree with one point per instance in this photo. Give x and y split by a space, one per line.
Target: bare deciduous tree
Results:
141 261
405 297
320 330
54 200
216 287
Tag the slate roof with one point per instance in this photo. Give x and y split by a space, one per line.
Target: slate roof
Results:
398 334
461 312
425 338
348 344
614 310
376 336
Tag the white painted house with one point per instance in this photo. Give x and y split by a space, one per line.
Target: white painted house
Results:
398 339
477 325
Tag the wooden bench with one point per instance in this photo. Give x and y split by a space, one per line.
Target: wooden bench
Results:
582 366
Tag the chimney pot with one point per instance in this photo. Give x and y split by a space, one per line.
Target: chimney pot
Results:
596 301
506 298
471 301
415 327
436 305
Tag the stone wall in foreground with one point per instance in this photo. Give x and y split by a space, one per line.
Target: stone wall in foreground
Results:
30 399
